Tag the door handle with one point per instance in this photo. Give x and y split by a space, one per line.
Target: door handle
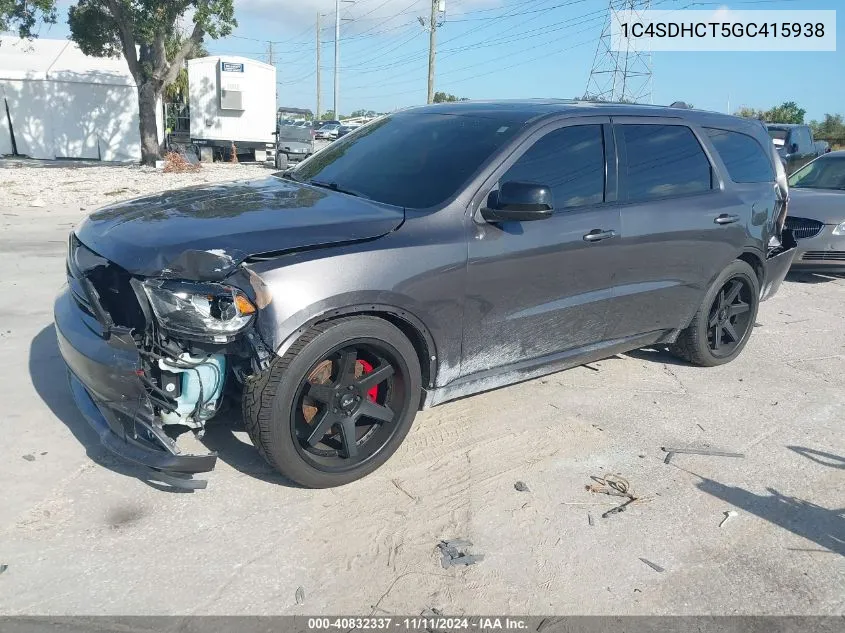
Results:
597 235
726 219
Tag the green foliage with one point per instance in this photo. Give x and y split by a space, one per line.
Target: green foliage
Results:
363 113
328 116
442 97
23 15
177 92
832 129
787 112
751 113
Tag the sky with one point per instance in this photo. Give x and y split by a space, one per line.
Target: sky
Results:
502 49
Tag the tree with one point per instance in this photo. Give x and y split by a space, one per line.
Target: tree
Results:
751 113
140 30
442 97
177 92
832 129
363 113
328 116
787 112
22 15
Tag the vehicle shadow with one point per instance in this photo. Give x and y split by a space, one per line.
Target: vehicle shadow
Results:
813 278
824 527
657 354
220 436
820 457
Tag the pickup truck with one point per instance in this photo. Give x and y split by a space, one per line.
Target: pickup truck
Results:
795 144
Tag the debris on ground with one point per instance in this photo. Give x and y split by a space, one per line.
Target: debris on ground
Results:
695 451
29 458
654 566
3 568
454 552
178 163
589 519
614 486
300 595
729 514
520 486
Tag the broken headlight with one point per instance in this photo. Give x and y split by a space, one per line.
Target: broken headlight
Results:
199 309
839 229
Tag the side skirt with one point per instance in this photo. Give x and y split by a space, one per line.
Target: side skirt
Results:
527 370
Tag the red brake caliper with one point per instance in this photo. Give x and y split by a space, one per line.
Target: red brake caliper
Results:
372 394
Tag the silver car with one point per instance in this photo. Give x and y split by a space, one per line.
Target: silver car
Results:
817 214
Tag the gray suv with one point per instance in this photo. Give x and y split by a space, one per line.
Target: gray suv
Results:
434 253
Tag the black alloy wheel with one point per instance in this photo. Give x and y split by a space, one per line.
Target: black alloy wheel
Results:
348 405
730 316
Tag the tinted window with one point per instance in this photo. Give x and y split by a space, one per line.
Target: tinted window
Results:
823 173
663 161
745 159
570 161
803 140
411 159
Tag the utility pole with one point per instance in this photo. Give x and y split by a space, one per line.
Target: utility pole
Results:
336 56
432 49
317 115
437 6
270 59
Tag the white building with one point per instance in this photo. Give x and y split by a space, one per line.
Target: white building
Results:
65 104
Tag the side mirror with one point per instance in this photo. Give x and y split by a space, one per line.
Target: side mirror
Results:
793 148
519 202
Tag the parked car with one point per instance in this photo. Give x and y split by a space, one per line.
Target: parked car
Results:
822 147
817 214
343 130
453 249
328 131
794 144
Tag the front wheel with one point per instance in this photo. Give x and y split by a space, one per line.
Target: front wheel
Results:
338 404
721 327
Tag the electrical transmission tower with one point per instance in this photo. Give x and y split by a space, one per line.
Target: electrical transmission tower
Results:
621 75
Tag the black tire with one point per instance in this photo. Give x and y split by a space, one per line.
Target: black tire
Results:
281 160
273 407
705 342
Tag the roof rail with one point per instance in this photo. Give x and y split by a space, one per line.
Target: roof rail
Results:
680 104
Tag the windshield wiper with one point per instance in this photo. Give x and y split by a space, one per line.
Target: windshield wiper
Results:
334 187
288 175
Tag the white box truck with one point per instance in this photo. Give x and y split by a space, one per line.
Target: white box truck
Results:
232 101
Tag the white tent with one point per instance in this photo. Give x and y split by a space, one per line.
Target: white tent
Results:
65 104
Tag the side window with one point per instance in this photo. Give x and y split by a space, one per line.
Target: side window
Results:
745 159
805 144
570 160
663 161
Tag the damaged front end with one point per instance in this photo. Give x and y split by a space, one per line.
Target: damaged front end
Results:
781 246
150 357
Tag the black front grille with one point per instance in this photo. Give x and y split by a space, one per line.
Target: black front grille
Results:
803 228
824 256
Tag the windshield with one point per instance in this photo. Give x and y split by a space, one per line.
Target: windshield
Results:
778 136
410 159
823 173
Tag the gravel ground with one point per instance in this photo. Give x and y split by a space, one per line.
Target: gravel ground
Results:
91 185
82 532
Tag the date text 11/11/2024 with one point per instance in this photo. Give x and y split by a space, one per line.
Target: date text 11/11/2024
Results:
418 623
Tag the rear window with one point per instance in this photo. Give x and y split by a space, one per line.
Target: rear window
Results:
411 159
778 136
663 161
745 159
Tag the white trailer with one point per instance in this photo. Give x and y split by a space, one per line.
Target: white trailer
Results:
232 100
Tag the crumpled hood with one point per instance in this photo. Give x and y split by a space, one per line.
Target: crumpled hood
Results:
204 232
824 205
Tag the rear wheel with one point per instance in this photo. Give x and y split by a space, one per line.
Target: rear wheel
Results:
721 327
338 404
281 160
